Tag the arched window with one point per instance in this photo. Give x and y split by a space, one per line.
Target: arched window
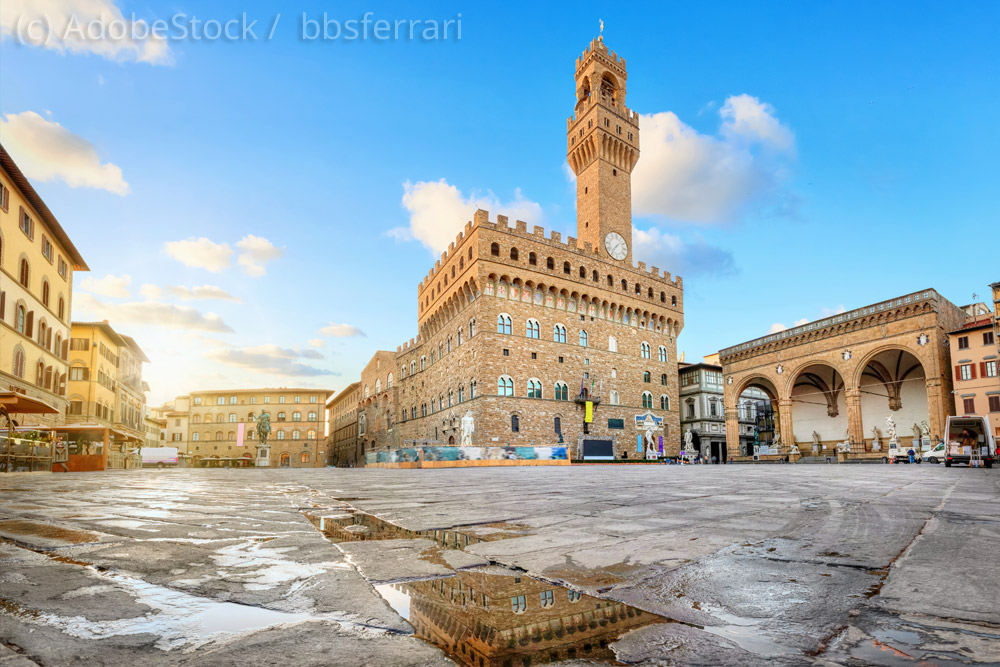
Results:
503 324
644 350
638 290
662 353
281 435
281 416
664 402
231 436
423 361
534 388
663 297
472 389
232 417
304 457
388 380
612 344
218 435
645 376
460 335
495 249
312 416
378 386
196 436
566 268
367 392
196 419
19 321
513 254
532 259
45 293
583 272
550 264
614 398
296 435
557 423
624 285
62 308
451 397
595 277
515 424
611 281
311 435
297 416
647 400
461 393
650 293
583 338
23 276
472 327
559 333
562 391
532 328
663 379
505 386
673 301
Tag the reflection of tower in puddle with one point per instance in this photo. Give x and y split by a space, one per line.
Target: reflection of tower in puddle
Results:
486 619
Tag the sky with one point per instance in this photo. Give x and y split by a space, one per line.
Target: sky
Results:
259 210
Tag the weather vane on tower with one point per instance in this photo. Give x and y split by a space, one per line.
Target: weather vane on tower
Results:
601 21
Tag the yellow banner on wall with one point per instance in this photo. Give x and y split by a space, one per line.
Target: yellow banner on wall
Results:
589 414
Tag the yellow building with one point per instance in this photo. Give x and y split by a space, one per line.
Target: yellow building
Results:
221 425
175 418
105 379
37 261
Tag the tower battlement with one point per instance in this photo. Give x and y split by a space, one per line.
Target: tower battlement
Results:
598 49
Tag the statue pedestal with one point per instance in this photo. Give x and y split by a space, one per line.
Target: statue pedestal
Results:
263 457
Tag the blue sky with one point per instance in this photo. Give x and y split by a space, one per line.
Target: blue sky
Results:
796 158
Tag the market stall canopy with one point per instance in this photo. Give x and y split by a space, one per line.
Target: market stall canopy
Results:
15 403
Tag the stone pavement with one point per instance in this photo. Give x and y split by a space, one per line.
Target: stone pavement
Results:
659 565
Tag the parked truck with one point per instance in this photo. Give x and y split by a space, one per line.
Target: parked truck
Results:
969 438
159 457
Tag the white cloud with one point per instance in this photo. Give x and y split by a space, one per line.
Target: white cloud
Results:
201 253
830 312
148 313
111 286
47 151
255 253
438 212
82 26
202 293
341 330
151 292
270 359
316 342
688 176
777 327
668 252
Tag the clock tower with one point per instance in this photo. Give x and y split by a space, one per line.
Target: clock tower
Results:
602 146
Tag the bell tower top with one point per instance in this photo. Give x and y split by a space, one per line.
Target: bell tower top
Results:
602 147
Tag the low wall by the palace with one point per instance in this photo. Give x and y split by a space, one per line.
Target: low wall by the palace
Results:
458 457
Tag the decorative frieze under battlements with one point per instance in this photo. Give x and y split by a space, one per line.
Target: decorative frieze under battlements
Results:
878 313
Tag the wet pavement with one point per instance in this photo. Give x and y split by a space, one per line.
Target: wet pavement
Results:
502 567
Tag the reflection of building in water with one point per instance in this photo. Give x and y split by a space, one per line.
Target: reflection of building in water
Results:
486 619
353 526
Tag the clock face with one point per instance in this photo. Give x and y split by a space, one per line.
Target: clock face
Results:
616 245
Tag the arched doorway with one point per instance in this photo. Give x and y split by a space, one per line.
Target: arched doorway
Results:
285 460
451 440
819 410
761 424
893 383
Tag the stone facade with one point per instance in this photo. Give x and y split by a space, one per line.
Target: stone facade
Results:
516 325
702 409
214 420
838 379
342 426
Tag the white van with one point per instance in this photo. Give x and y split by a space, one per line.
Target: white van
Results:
900 453
160 457
936 454
966 433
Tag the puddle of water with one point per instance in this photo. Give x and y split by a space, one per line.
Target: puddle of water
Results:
178 620
503 618
746 633
131 524
17 528
357 526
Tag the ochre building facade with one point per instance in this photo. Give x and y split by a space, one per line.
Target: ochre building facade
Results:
518 327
